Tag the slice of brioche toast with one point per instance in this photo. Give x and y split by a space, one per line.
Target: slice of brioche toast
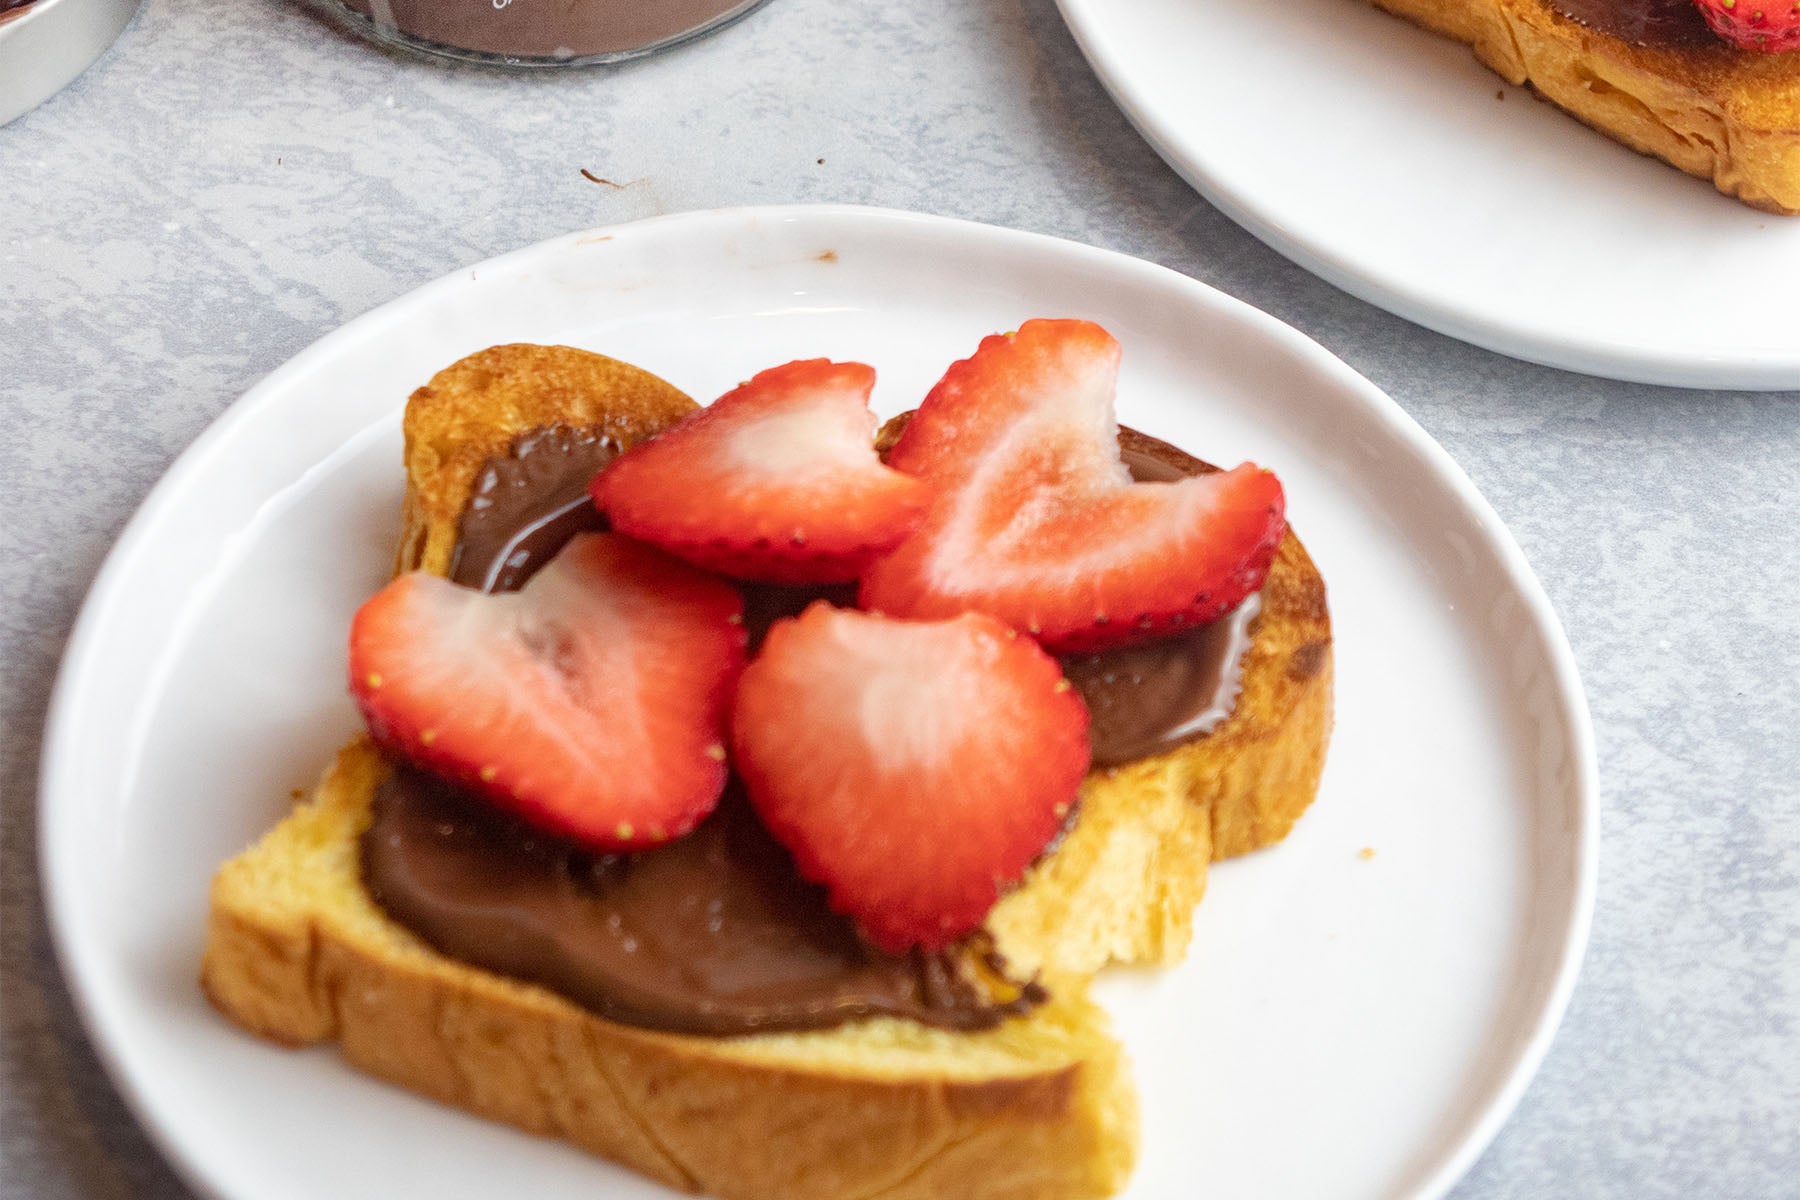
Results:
1655 79
1040 1106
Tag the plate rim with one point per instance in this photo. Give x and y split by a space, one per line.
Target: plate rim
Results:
1661 365
80 660
52 44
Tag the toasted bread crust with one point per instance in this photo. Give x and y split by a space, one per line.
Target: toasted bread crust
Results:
1722 114
1038 1108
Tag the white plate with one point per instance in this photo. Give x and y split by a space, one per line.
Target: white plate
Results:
44 47
1344 1027
1380 158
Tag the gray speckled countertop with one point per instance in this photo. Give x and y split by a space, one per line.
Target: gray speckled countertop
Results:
237 178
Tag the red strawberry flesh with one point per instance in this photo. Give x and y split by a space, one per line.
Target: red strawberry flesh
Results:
1035 520
775 481
913 768
1766 28
591 703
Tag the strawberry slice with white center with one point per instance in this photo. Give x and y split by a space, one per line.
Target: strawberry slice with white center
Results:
913 768
777 481
1037 522
591 703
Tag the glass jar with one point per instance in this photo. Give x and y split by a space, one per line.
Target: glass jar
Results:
537 33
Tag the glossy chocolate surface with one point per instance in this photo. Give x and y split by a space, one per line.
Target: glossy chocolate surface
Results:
526 505
714 933
1148 699
1664 24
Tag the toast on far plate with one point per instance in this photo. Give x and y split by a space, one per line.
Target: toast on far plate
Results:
1708 86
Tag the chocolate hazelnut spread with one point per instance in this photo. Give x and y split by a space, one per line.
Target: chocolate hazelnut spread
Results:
1147 699
544 30
1150 698
716 933
1662 24
526 505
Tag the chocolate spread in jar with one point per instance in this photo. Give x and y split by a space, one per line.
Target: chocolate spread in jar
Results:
716 933
1661 24
545 30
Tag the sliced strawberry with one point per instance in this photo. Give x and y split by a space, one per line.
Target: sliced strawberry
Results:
774 481
1036 522
591 703
1771 27
913 768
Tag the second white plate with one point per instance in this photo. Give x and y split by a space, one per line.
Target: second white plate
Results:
1345 1026
1384 159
